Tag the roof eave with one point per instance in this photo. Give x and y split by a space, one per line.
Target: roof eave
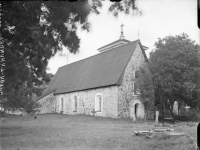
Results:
143 51
57 93
48 93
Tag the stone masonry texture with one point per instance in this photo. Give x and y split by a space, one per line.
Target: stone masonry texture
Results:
126 90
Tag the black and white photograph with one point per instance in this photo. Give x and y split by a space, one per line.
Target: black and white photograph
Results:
100 75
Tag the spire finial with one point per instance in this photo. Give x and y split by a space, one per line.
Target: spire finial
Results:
138 34
122 33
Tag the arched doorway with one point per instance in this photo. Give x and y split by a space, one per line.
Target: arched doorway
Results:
136 109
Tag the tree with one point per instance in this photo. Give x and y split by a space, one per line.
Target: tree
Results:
145 85
39 89
175 66
34 31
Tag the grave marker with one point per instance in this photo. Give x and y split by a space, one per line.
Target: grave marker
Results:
157 114
175 107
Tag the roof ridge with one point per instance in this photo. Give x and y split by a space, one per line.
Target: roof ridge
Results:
97 54
114 42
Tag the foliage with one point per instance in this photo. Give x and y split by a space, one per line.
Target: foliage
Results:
124 6
175 65
188 115
33 32
38 90
48 77
22 97
146 88
31 106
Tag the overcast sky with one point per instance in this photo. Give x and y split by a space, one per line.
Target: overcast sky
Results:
159 19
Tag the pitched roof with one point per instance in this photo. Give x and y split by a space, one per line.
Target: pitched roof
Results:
124 40
100 70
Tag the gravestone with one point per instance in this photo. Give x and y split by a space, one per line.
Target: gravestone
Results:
175 107
157 114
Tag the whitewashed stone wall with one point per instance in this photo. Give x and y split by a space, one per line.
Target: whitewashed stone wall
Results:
49 104
86 102
127 88
117 100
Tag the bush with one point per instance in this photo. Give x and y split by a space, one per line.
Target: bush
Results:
31 106
166 114
189 115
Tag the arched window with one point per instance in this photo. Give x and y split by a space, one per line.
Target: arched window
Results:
137 74
99 102
62 103
75 103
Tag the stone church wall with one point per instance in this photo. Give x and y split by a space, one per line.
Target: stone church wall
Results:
86 102
118 101
126 90
49 104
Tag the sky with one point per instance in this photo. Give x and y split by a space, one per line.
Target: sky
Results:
158 20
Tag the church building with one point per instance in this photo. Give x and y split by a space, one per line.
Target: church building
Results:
101 85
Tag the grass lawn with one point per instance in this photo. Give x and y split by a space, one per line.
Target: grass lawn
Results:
64 132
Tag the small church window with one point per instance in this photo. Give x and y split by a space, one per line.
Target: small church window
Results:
75 103
98 102
137 74
62 104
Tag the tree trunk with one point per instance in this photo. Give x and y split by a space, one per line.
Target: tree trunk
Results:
145 109
163 108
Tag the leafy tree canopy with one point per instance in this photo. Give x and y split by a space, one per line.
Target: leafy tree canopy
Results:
175 67
145 85
34 31
146 88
